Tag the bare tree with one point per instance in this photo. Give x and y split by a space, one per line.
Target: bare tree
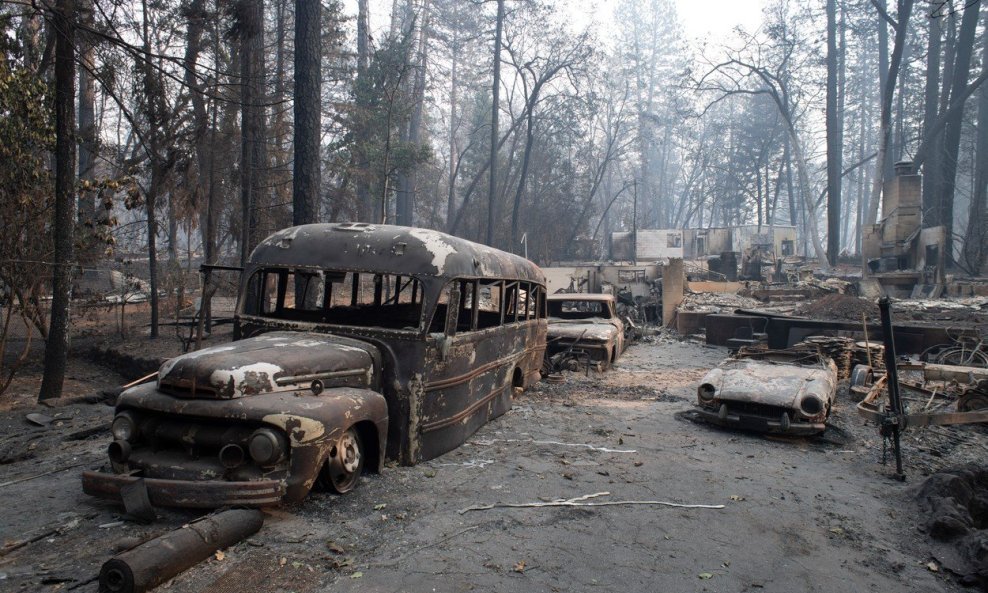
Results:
536 72
63 222
901 25
742 74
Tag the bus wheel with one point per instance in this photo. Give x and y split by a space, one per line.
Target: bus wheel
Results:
345 463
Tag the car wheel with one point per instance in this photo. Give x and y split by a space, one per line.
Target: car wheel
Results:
861 376
345 463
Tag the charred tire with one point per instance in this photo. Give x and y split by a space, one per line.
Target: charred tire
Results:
345 463
861 376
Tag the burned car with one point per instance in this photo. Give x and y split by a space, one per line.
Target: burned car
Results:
353 344
584 327
789 392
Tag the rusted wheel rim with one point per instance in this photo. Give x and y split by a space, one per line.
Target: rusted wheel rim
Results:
347 462
963 357
972 402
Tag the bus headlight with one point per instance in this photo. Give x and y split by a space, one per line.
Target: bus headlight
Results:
124 427
267 447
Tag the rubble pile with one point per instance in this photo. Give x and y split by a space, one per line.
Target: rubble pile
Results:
717 302
839 307
839 349
971 312
846 353
869 354
955 502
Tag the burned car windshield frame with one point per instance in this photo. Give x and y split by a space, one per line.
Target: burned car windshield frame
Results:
579 308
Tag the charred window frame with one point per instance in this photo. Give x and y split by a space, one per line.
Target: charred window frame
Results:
541 304
485 303
337 297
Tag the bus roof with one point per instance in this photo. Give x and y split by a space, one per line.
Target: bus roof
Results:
388 249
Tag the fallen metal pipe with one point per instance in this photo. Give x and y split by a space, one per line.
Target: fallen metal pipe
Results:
156 561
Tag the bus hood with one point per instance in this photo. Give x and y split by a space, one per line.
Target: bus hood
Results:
272 362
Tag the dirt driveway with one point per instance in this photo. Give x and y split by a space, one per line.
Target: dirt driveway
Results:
803 515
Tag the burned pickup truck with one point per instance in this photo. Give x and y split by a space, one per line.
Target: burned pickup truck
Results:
354 343
774 391
584 327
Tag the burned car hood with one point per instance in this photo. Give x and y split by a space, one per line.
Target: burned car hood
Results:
272 362
596 329
770 383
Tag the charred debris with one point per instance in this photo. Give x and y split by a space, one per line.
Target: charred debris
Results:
357 345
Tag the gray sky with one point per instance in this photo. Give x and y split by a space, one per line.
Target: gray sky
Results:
699 18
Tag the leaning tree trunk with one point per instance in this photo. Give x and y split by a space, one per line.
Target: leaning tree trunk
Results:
57 347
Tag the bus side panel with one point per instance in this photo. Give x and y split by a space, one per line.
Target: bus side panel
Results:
474 383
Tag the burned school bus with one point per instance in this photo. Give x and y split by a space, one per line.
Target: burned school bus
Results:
353 343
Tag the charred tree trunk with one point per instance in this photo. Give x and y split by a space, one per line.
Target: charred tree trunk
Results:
57 346
930 113
153 112
883 76
976 239
252 150
365 208
492 167
453 150
88 138
790 191
888 89
196 15
835 138
952 130
308 68
411 133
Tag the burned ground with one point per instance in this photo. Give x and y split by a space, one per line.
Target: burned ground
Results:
799 514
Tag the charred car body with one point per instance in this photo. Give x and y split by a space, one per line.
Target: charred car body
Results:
584 325
353 343
789 392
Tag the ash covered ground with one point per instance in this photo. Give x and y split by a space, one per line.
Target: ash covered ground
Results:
799 514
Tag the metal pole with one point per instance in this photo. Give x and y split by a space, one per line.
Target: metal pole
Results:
890 424
148 565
